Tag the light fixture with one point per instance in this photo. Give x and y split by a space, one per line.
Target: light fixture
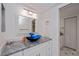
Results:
28 14
24 13
34 16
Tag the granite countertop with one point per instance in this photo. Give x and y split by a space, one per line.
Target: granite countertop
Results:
18 46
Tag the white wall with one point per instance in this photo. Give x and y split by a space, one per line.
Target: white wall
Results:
11 17
40 24
53 28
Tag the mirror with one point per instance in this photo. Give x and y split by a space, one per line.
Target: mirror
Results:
26 25
26 22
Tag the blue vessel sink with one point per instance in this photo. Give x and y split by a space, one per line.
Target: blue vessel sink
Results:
33 37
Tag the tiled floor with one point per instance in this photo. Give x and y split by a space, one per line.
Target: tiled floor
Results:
68 52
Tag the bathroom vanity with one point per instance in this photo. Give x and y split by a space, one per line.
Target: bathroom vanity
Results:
42 47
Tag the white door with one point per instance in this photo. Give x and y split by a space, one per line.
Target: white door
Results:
71 32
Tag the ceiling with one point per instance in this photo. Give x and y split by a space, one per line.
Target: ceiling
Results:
40 7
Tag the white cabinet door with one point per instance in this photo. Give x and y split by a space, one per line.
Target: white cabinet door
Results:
45 49
33 51
36 52
17 54
28 52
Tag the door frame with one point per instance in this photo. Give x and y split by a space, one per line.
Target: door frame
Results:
76 31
